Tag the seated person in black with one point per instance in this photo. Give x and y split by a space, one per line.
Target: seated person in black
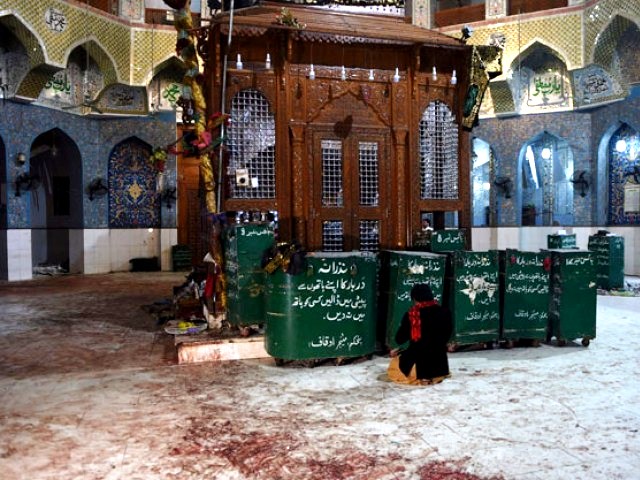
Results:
427 328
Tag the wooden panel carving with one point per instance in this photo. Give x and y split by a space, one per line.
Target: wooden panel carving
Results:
401 113
299 177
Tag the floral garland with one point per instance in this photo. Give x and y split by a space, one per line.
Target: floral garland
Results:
192 99
200 141
191 144
287 18
158 159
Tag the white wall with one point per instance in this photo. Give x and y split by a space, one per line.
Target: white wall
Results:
76 251
18 249
108 250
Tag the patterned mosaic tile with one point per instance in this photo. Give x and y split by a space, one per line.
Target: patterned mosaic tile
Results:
21 124
502 97
133 200
607 41
597 17
624 177
151 47
561 33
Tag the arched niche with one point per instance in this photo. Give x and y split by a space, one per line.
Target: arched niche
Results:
623 175
23 70
77 86
616 48
545 188
165 87
134 200
539 80
487 190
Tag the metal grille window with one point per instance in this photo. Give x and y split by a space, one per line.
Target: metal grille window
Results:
332 235
438 153
369 235
332 193
368 153
251 141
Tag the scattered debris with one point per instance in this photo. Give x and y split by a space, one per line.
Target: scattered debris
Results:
181 327
49 270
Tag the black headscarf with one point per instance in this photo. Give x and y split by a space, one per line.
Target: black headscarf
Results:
421 292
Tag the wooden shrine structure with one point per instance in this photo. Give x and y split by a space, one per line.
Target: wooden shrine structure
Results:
349 126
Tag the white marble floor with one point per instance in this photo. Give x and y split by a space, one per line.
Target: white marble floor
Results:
90 389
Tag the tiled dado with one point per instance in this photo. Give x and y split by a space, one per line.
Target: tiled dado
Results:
91 251
16 248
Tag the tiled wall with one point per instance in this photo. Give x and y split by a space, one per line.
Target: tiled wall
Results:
21 124
122 47
583 130
507 136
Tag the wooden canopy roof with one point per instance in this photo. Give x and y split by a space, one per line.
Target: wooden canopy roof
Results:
324 25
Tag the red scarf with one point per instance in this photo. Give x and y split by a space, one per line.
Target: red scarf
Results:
414 318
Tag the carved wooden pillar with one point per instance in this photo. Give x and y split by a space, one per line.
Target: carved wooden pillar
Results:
464 172
299 178
401 187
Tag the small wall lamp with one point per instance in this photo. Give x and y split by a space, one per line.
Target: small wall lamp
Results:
21 159
26 182
169 196
96 188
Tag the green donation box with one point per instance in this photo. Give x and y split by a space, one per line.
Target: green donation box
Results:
557 241
400 271
572 304
472 292
447 240
244 246
181 257
609 252
436 241
327 311
524 295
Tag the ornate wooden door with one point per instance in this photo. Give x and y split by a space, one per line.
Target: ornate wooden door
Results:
350 189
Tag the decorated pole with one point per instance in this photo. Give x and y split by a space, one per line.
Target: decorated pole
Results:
201 143
192 100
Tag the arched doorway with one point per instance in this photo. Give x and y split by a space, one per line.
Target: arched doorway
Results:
546 165
624 176
56 202
485 200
